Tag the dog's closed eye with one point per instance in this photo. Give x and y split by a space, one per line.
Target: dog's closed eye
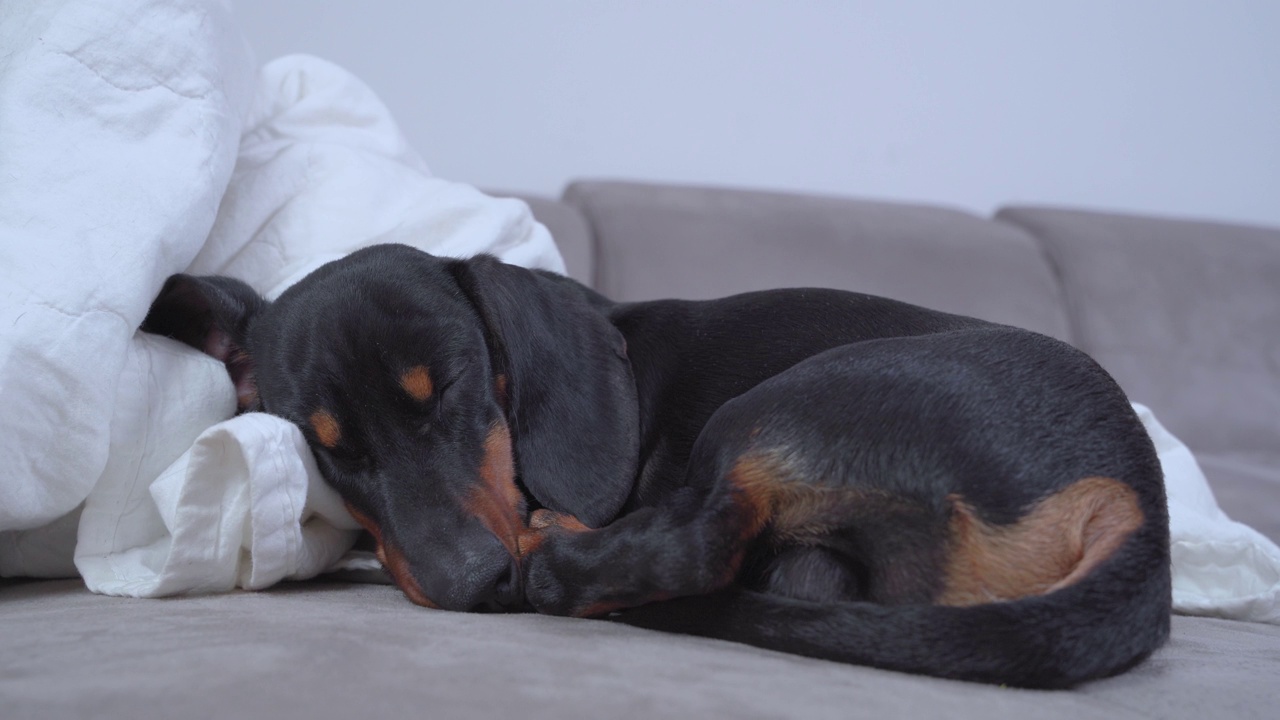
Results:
426 397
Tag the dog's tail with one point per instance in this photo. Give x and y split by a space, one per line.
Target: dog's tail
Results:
1102 625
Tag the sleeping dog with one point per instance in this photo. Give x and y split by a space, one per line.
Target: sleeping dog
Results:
814 471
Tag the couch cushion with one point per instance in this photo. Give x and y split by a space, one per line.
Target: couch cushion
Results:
569 229
666 241
320 650
1247 488
1186 315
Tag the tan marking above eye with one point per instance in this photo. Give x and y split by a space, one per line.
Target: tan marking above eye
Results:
326 427
417 382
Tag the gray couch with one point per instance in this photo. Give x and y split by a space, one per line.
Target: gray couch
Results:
1185 314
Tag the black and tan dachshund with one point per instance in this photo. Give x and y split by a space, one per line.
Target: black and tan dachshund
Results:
814 471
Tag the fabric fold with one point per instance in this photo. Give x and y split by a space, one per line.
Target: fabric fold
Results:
1221 567
145 143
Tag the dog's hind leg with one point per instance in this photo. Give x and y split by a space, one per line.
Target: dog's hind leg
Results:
741 492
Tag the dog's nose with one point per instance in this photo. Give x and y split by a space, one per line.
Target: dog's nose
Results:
479 575
502 594
462 566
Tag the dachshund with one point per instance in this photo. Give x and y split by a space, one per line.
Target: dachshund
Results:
814 471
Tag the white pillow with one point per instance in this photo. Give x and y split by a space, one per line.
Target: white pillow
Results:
120 124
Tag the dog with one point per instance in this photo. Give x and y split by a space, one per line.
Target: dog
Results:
814 471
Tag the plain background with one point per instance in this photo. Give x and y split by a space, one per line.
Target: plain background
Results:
1168 107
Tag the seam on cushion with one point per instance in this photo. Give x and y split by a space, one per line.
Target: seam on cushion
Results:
1074 325
571 197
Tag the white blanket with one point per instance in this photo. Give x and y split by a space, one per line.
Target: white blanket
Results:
139 141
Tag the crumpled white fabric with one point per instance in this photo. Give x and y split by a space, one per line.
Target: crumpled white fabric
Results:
140 141
1221 567
120 123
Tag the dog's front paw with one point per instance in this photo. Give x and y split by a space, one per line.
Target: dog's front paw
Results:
563 571
543 587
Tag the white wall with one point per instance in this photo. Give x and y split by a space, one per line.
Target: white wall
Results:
1156 106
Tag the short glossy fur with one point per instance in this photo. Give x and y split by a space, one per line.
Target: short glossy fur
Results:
814 471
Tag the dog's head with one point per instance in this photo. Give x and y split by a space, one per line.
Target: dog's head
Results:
443 399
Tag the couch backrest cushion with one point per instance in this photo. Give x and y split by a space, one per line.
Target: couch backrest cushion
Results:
1186 315
662 241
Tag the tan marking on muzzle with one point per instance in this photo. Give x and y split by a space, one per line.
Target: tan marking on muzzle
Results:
495 499
1055 545
394 561
417 382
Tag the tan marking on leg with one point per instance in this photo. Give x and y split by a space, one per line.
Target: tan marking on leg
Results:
806 511
901 541
495 499
757 484
796 510
417 382
529 540
326 428
1055 545
543 520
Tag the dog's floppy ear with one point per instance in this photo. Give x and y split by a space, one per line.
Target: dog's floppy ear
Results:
211 314
570 394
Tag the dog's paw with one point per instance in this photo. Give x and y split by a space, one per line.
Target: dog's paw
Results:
548 583
543 590
551 572
563 571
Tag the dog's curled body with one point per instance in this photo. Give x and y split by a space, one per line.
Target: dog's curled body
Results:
815 471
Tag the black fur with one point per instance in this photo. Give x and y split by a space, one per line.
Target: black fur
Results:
639 419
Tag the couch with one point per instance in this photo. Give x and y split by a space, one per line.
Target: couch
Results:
1185 314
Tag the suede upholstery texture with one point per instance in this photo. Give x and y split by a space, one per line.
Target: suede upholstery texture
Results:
1186 315
656 241
328 650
